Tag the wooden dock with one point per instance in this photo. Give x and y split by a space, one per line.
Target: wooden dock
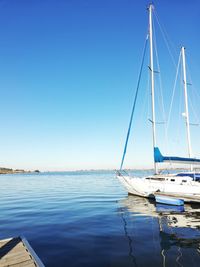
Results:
17 252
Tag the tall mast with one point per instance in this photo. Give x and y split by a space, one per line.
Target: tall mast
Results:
152 81
186 115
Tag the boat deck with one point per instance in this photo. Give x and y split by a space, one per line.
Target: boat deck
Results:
17 252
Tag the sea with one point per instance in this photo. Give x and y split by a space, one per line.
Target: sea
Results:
87 219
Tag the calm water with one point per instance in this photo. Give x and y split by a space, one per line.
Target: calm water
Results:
87 219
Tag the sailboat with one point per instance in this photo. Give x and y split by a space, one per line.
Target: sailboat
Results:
185 184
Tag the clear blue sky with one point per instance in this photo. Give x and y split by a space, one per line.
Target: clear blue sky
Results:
68 71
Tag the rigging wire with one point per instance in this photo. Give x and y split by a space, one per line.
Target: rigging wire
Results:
170 46
134 103
147 100
161 103
172 101
194 112
144 112
166 115
173 92
166 38
144 105
195 89
196 96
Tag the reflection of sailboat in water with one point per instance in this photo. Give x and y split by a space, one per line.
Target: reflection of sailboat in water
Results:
170 236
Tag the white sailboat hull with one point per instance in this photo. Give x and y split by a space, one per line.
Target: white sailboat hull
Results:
146 187
135 186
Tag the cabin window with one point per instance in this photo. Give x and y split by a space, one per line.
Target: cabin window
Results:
172 180
184 181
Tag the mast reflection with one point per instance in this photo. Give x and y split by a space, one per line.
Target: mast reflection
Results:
174 231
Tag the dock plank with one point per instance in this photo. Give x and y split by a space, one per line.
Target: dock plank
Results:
17 252
17 248
15 260
25 264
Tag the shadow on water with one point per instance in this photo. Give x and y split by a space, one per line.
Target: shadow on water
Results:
170 235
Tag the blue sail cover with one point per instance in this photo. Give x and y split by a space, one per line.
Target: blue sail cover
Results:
159 158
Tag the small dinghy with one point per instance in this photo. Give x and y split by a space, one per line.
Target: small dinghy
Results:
169 200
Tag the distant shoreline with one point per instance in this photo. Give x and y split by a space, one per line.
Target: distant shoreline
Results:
11 171
16 171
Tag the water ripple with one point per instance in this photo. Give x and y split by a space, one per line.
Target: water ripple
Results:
86 218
